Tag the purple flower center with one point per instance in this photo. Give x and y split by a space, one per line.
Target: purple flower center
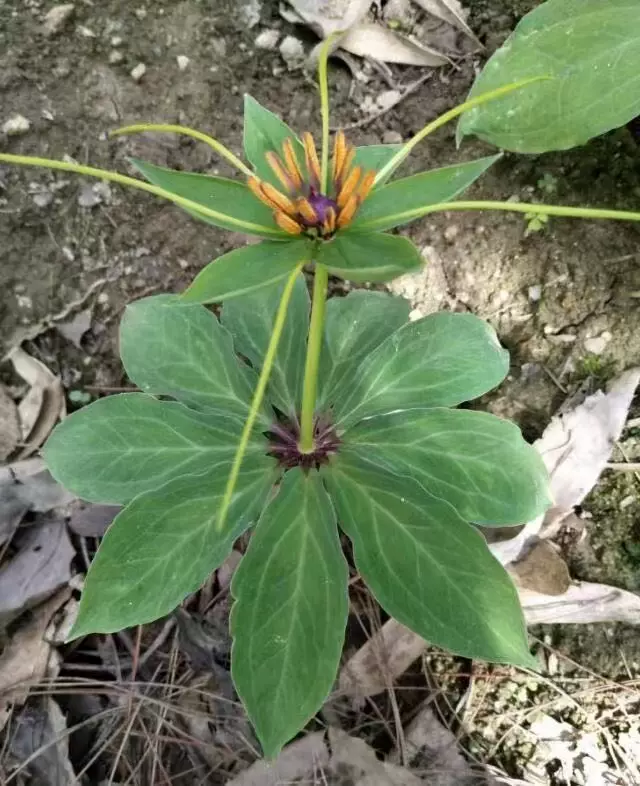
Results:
285 435
321 204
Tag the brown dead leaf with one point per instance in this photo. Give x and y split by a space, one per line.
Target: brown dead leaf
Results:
41 567
583 602
28 657
92 521
449 11
44 403
329 16
380 43
387 655
74 329
298 760
9 425
356 761
41 726
542 570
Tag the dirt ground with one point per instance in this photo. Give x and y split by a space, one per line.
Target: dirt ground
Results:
564 300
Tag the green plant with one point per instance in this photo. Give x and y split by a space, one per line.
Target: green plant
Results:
305 416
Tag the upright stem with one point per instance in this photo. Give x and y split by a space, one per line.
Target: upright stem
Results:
258 396
314 345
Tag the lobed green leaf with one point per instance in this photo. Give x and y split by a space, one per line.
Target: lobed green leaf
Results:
250 320
164 544
229 197
290 611
246 270
590 48
386 206
478 463
427 567
354 326
124 445
172 348
438 361
364 257
263 132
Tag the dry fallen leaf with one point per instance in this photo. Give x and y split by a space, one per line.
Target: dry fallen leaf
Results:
358 762
74 329
449 11
387 654
298 760
583 602
42 726
9 425
92 521
44 403
380 43
329 16
28 657
542 570
41 567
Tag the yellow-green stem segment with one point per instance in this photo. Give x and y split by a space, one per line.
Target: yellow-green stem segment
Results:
223 151
124 180
404 151
258 397
324 110
509 207
314 346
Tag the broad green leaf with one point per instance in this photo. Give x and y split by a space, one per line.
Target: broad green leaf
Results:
290 611
590 48
382 209
264 131
438 361
250 320
374 156
354 326
427 567
163 546
368 257
121 446
229 197
478 463
247 269
178 349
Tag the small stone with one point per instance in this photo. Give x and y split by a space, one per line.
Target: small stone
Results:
42 198
392 138
292 51
183 62
184 264
47 115
56 18
116 57
103 298
250 12
267 39
388 98
116 41
141 13
535 293
93 194
597 344
85 32
138 72
16 125
451 233
627 501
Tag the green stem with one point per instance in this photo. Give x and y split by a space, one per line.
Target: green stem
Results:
404 151
223 151
510 207
124 180
324 110
258 397
314 345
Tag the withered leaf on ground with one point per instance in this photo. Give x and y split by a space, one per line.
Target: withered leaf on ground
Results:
9 425
92 521
299 760
40 725
380 43
449 11
330 16
583 602
28 657
75 328
358 763
41 567
542 570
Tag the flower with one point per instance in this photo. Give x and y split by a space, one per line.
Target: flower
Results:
303 208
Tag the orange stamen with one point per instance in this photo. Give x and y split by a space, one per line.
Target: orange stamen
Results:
329 221
279 201
291 160
306 210
287 223
256 189
339 153
311 159
349 186
278 170
348 211
366 184
346 166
